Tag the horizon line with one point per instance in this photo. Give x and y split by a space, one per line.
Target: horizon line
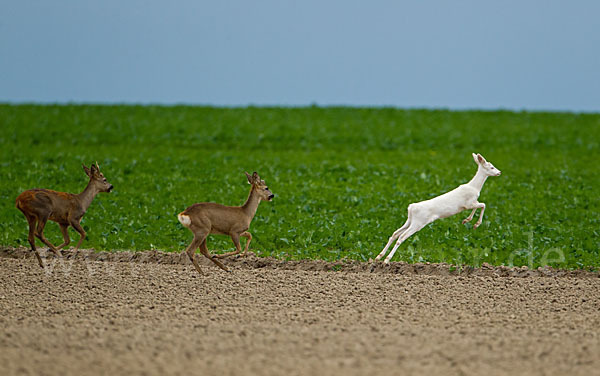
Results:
292 105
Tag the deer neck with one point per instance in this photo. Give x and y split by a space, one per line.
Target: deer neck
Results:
87 196
251 204
479 179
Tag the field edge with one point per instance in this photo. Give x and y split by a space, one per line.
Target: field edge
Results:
251 261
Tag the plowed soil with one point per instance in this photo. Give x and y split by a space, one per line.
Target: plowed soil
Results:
153 314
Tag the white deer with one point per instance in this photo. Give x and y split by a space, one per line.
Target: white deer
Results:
461 198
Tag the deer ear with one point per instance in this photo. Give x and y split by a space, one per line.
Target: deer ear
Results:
249 177
86 170
475 158
481 159
93 169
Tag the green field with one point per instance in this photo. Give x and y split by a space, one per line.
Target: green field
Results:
342 177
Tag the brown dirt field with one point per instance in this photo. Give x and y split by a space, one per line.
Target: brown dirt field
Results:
152 314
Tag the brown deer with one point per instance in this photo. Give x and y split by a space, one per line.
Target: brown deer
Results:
66 209
209 218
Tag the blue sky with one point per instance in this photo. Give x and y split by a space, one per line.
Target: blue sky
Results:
536 55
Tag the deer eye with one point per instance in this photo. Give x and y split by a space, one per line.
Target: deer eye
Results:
266 188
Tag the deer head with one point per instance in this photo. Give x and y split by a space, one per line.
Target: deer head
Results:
487 167
260 187
97 179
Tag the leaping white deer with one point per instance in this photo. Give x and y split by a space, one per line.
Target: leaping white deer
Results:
461 198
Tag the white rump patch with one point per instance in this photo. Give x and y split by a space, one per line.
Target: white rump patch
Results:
184 219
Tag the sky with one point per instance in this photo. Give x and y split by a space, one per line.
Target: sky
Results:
476 54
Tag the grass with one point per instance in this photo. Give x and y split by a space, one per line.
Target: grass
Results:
342 177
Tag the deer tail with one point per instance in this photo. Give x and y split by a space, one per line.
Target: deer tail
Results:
184 219
18 203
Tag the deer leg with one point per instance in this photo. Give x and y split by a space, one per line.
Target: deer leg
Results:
238 248
204 251
394 236
248 236
40 234
470 217
31 239
482 206
77 226
192 248
65 233
405 235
